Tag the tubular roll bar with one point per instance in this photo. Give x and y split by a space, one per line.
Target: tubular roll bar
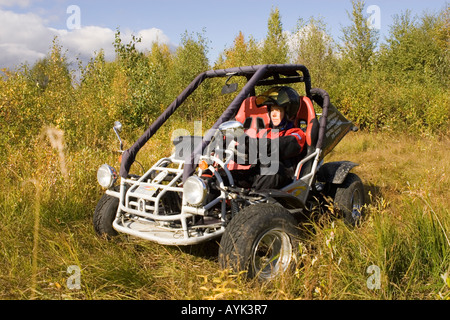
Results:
256 75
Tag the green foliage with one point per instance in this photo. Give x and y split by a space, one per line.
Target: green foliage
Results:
413 63
189 61
135 65
414 51
314 48
35 97
243 53
275 48
402 85
359 40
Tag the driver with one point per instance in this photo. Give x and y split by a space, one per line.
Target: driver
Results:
282 105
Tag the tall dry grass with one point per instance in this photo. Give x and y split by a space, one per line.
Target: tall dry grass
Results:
405 233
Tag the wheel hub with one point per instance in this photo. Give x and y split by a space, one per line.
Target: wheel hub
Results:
271 254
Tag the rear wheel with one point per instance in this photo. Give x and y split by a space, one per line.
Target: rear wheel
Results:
349 198
262 240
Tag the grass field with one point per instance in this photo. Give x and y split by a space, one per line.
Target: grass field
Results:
47 242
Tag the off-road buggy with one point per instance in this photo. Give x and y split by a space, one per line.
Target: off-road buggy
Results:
191 197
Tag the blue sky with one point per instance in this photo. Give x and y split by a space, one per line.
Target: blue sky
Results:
28 26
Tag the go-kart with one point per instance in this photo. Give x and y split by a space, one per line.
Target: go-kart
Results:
191 197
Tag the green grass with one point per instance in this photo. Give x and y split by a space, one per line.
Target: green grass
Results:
405 233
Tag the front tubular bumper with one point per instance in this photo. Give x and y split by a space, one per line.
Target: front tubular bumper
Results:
141 213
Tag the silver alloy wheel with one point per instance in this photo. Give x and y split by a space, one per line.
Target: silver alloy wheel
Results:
271 254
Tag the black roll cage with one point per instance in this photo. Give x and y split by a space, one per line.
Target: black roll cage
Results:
260 75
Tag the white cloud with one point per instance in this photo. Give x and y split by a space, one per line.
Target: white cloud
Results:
25 38
84 42
150 36
11 52
296 40
11 3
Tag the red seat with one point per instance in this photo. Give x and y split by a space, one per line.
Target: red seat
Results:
306 119
253 118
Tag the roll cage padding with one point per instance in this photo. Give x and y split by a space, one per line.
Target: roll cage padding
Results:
256 75
307 114
322 98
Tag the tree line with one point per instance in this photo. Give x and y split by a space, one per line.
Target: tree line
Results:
400 84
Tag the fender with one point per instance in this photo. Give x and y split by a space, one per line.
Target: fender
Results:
335 172
287 200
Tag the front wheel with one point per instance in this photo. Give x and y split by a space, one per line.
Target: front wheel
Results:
104 215
262 240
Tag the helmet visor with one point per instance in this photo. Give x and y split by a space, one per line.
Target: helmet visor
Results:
264 100
271 98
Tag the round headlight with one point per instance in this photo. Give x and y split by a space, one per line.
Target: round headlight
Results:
195 191
106 176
